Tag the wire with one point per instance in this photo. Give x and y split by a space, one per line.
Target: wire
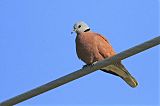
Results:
80 73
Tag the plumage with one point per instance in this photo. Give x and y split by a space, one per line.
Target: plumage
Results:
92 47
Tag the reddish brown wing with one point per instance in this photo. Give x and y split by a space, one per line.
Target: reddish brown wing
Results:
104 47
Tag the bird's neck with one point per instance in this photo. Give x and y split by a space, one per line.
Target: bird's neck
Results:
87 30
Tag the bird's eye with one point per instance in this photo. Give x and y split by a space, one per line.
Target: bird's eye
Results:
79 26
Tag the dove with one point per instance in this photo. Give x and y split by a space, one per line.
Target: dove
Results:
92 47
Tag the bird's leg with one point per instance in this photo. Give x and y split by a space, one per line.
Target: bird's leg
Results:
89 64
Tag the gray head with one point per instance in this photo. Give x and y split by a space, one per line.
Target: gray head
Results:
80 27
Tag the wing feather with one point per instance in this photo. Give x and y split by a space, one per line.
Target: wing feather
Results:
104 47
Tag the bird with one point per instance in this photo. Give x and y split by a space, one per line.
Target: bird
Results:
92 47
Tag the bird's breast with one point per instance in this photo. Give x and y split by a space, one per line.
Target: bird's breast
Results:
85 48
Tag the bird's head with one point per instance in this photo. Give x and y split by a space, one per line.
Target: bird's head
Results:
80 26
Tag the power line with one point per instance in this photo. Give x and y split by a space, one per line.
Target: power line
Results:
82 72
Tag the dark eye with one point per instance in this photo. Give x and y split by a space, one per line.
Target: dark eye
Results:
79 26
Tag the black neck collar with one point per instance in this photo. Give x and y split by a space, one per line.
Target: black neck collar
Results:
87 30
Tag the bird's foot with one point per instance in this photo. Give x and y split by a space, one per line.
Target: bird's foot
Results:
94 63
84 66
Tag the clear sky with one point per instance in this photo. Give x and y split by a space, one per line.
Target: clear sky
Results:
36 47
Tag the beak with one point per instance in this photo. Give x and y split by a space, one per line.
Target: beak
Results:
73 31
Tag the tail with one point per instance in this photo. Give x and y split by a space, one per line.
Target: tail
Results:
121 71
130 80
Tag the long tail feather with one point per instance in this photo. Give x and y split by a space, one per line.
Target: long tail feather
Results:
121 71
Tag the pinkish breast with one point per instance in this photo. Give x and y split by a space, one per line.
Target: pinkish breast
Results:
86 47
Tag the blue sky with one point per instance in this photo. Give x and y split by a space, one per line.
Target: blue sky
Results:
37 47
